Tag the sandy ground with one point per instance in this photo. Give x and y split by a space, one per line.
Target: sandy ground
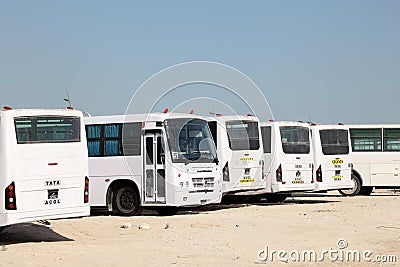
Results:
223 235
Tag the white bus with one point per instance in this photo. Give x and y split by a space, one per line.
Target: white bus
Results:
376 157
158 160
237 138
43 165
287 158
332 158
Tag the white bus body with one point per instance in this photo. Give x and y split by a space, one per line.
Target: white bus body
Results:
151 160
287 156
239 149
332 158
43 166
376 157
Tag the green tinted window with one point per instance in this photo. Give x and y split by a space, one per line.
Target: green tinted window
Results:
49 129
366 139
391 139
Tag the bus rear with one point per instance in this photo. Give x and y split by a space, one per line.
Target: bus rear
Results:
44 165
239 151
287 156
332 160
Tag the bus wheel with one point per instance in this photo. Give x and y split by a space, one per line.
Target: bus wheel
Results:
366 190
275 197
126 201
356 188
167 211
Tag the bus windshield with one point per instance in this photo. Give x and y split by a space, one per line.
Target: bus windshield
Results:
190 140
334 141
295 139
48 129
243 135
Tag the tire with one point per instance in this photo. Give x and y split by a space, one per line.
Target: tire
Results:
126 201
275 197
2 228
167 211
366 190
229 199
353 191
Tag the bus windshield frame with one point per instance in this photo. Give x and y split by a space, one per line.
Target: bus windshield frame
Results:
190 141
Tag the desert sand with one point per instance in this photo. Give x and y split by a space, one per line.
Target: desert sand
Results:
219 235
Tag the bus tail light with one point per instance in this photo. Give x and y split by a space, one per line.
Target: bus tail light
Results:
10 198
262 169
86 191
225 173
279 174
319 174
312 173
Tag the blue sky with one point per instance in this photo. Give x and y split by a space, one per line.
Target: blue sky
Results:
331 61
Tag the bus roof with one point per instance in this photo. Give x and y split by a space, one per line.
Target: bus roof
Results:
39 112
234 118
372 126
286 123
138 117
329 126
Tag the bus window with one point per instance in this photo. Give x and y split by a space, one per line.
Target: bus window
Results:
93 133
334 142
366 139
52 129
391 139
112 134
266 138
243 135
295 139
213 129
114 139
131 133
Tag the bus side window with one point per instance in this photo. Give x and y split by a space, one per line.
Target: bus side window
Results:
391 139
112 134
93 133
213 129
366 139
266 138
131 135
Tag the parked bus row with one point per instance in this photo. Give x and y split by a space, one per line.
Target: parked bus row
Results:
169 160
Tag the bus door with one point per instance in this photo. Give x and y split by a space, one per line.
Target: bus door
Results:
154 167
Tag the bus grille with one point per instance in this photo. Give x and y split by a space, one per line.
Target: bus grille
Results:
203 182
